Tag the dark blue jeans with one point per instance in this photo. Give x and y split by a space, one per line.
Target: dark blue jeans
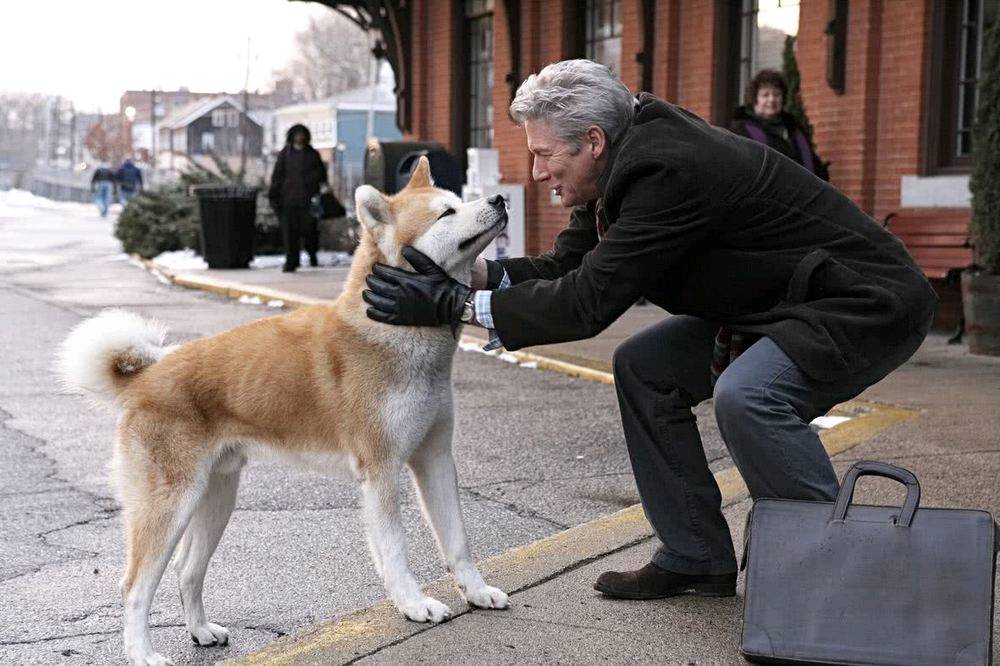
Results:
103 189
763 405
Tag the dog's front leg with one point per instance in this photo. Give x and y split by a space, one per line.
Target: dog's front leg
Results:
380 492
433 467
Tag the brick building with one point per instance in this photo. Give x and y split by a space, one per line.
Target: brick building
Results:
889 86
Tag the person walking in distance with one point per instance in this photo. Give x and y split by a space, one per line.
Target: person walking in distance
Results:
102 185
129 178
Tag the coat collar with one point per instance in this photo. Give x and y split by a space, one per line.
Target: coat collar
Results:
615 148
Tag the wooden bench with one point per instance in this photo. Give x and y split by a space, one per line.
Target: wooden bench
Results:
938 238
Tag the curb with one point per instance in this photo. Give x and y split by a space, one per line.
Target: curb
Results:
369 630
227 288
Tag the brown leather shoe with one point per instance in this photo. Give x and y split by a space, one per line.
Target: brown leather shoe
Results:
652 582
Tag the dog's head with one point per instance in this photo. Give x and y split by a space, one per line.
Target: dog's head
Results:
436 222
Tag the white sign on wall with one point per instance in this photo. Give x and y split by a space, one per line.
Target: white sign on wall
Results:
510 243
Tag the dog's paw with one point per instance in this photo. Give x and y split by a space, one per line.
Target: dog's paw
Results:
487 597
426 609
209 635
156 659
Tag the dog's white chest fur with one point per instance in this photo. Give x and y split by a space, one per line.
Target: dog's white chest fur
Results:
422 392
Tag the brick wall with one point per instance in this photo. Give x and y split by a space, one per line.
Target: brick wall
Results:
632 20
845 125
666 49
432 58
696 62
901 93
872 133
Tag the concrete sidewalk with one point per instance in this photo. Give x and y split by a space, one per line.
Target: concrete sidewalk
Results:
937 416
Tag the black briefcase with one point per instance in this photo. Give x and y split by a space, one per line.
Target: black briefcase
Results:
841 583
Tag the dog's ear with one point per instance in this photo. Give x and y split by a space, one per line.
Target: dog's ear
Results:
421 176
372 207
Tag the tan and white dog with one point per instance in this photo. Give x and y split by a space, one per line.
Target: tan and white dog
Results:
323 382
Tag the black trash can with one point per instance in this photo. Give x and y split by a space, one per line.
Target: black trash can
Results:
228 215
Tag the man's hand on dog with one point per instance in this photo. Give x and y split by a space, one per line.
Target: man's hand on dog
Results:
429 297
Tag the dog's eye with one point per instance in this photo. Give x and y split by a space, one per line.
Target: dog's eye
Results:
446 213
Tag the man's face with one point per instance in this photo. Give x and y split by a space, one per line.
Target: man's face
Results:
299 139
573 176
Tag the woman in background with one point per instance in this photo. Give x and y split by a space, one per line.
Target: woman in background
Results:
764 119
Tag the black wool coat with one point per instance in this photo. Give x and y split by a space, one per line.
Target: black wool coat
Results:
297 176
707 223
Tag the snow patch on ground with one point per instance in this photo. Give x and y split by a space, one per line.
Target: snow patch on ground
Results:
187 260
326 258
180 260
504 356
21 203
825 422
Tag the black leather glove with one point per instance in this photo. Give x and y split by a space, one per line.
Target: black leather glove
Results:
429 297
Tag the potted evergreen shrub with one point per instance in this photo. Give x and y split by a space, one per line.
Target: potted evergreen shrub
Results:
981 283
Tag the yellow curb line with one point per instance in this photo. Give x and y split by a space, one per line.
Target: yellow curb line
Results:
237 290
228 288
370 629
546 363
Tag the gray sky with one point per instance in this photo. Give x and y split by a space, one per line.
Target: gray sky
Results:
93 50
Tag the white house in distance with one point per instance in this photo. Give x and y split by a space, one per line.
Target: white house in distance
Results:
339 128
190 132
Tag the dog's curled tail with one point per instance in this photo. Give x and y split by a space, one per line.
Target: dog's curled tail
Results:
103 353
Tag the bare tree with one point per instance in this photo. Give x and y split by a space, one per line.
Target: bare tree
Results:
109 139
333 56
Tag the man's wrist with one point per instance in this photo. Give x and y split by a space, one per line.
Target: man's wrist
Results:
494 274
468 315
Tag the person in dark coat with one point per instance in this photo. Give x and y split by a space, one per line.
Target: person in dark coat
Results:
763 119
102 185
298 174
129 178
786 299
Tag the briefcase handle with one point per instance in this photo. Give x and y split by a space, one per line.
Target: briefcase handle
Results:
874 468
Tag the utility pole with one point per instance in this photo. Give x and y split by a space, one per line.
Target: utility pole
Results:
72 135
52 131
243 116
373 72
152 124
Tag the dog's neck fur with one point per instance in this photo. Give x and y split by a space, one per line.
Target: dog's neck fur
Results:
366 256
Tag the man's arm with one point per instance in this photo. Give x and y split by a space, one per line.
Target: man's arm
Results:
277 180
660 219
649 236
577 239
488 274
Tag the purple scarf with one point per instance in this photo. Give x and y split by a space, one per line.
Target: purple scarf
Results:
758 134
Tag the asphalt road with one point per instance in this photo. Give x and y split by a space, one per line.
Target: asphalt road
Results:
537 452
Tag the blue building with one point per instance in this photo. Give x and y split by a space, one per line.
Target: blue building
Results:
339 128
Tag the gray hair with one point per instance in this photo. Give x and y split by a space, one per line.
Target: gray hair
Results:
573 95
